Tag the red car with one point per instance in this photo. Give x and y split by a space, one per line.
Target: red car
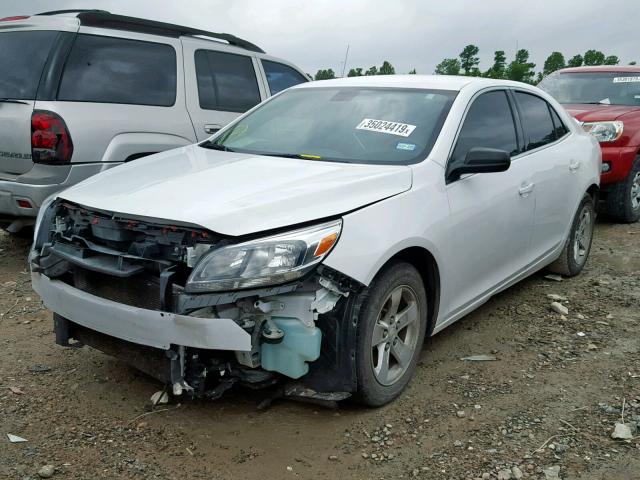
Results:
606 101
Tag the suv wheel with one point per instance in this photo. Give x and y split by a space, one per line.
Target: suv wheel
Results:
623 201
577 247
391 330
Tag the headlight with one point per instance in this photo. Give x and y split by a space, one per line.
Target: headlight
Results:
604 131
266 261
44 207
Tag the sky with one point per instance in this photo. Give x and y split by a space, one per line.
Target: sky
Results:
408 33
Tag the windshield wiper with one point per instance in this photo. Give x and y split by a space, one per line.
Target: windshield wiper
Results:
303 156
11 100
216 146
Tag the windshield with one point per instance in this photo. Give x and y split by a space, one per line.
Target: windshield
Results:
606 88
22 58
346 124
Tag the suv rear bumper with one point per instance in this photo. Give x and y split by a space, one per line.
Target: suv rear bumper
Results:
138 325
620 161
38 184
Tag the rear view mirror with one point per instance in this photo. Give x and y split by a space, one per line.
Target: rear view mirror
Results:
482 160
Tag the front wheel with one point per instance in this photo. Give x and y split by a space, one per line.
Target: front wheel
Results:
578 245
391 331
623 201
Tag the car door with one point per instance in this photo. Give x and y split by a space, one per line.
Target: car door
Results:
553 165
220 85
491 214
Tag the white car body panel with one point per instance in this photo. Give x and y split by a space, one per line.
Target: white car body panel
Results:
237 194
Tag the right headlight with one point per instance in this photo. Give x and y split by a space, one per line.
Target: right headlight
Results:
41 235
604 132
264 261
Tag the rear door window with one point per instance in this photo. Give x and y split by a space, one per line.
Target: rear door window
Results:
280 76
538 126
226 81
561 129
117 70
488 124
22 59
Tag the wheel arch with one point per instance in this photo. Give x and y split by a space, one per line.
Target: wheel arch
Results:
426 264
594 191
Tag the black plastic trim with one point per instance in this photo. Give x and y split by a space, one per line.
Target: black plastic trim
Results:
104 19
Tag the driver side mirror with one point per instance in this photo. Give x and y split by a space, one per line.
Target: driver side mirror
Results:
481 160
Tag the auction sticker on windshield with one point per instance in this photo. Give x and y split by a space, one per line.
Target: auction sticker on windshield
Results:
626 80
384 126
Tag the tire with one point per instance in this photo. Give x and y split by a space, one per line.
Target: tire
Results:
576 249
623 200
398 288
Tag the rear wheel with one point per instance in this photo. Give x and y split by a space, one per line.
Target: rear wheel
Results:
391 331
578 245
623 200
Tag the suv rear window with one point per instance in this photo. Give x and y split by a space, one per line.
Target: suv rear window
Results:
22 58
117 70
280 76
226 81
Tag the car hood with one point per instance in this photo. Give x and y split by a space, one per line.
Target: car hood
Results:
234 193
599 113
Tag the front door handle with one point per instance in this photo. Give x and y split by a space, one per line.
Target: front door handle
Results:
212 128
574 165
526 189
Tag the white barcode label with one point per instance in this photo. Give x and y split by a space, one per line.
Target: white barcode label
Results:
385 126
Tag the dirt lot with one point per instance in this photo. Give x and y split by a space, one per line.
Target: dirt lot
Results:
551 398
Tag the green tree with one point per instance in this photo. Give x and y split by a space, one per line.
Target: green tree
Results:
355 72
611 60
448 66
594 57
372 71
521 70
633 63
325 74
554 62
469 59
386 69
412 72
575 61
499 64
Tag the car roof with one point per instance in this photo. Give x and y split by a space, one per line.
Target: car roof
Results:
601 68
434 82
108 20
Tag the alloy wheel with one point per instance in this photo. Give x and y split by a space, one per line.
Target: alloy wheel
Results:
635 192
395 335
582 240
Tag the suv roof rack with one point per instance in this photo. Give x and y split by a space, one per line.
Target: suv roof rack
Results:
104 19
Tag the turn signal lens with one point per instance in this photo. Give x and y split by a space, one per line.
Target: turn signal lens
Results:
325 244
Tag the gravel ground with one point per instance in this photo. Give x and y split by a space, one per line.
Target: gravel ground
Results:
547 404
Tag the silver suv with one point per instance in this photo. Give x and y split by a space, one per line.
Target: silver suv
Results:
84 91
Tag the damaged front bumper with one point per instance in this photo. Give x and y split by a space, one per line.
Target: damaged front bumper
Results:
133 305
145 327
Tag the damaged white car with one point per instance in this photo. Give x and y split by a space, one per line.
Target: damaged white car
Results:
316 241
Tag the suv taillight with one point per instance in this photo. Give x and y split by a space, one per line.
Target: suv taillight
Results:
50 139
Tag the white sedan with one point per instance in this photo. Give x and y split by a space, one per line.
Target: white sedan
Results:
319 238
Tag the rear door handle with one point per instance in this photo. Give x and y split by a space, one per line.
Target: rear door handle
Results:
526 189
211 128
574 165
